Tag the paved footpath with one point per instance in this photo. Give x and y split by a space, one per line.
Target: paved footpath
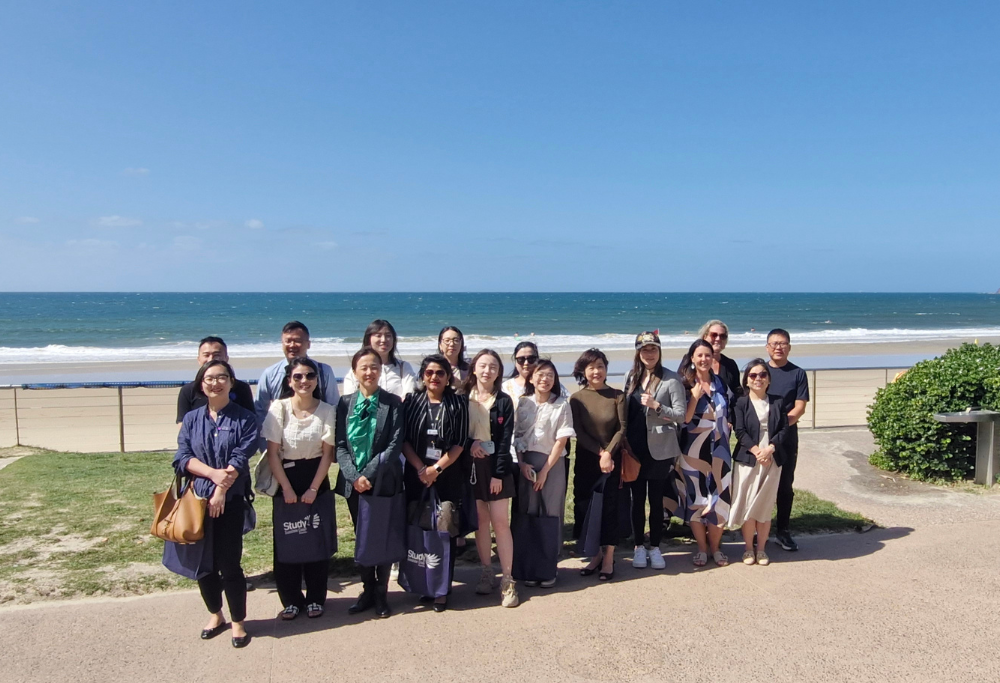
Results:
915 600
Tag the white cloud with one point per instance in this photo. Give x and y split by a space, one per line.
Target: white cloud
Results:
116 222
136 171
187 242
28 220
255 224
91 244
326 246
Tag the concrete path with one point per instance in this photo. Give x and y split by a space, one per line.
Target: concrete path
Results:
918 600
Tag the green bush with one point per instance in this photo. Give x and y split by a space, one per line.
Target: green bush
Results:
909 439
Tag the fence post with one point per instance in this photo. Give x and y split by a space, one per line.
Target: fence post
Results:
121 423
17 426
814 394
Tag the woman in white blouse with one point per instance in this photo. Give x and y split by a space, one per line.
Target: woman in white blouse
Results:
397 375
299 429
543 423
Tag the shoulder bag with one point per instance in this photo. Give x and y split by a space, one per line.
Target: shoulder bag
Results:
178 513
265 482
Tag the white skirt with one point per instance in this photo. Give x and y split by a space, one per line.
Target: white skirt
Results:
755 495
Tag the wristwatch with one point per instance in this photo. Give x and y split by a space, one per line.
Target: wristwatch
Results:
437 468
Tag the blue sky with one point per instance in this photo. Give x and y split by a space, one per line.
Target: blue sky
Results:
500 146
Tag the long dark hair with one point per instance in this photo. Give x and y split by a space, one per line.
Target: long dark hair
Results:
463 364
529 388
470 381
286 384
439 359
200 377
686 368
513 356
376 326
639 368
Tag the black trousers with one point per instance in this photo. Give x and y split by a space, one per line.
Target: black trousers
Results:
586 473
785 493
227 549
655 488
373 578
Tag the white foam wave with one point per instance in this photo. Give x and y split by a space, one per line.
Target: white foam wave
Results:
337 346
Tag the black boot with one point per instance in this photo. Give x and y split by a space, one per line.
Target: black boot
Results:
382 610
365 601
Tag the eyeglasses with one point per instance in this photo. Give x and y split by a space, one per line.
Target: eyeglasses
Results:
543 375
215 379
718 335
298 376
779 345
435 373
451 342
529 360
755 375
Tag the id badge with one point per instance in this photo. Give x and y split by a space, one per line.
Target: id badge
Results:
288 464
432 432
433 454
659 429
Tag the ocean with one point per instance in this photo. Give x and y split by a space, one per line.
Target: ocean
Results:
75 327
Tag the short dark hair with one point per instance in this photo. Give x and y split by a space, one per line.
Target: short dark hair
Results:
375 326
586 358
361 353
438 359
463 364
781 333
470 381
294 325
513 356
286 383
750 366
200 377
529 388
212 340
686 368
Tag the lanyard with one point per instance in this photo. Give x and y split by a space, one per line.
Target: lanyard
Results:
434 416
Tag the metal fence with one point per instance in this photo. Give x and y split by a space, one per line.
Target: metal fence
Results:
141 416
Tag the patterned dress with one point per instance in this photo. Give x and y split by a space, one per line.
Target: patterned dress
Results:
704 470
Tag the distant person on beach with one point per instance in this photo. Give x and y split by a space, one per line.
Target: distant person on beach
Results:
214 448
656 407
599 419
397 376
451 345
716 333
705 466
190 397
294 343
761 426
790 384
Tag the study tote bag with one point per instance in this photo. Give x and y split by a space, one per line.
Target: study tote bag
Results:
380 536
178 514
190 560
589 543
425 571
536 545
305 533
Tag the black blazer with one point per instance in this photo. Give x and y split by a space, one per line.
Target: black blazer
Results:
501 433
454 432
747 428
729 372
385 469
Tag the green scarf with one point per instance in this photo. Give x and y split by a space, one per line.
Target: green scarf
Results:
361 428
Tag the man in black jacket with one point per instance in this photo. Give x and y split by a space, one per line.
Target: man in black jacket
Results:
189 398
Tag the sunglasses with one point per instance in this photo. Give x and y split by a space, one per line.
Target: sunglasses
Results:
529 360
435 373
755 375
298 376
718 335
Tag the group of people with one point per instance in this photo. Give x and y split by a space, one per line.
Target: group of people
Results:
458 428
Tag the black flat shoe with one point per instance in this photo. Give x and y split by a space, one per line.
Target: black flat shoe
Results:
588 571
440 606
364 603
382 610
426 598
209 633
241 641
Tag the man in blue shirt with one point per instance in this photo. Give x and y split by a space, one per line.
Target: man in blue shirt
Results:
294 343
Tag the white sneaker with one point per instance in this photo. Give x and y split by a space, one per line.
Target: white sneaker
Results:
639 558
656 560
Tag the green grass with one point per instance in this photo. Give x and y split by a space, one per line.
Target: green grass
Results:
78 524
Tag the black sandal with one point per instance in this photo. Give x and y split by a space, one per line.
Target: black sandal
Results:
607 576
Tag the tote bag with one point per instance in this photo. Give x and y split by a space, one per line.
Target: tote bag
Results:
589 543
380 537
426 569
305 533
190 560
179 514
536 545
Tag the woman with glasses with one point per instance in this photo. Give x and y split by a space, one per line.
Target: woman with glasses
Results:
299 429
369 441
705 464
716 333
761 426
397 375
451 345
214 448
434 438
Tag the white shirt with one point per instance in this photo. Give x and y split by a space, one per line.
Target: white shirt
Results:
300 439
538 427
396 379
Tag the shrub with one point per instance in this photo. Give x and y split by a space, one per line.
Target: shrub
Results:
907 436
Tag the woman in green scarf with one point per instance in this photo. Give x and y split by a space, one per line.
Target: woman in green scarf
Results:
369 435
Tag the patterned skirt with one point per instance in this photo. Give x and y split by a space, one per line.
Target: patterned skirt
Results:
703 478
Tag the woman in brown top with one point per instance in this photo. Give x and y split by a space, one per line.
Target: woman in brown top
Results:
599 419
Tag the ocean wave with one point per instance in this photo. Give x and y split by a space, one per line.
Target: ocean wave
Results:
415 346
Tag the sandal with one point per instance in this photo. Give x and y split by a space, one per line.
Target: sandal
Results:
314 610
720 558
700 559
289 613
748 558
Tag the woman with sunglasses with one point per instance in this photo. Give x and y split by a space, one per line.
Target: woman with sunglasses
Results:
434 438
716 333
299 429
451 345
369 442
761 426
214 448
705 464
397 376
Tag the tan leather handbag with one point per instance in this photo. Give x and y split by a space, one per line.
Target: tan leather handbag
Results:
179 517
630 464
